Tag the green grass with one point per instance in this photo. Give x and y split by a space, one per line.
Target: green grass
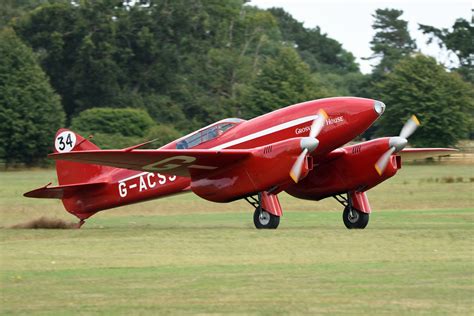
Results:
187 256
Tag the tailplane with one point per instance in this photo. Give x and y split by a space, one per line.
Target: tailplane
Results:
62 191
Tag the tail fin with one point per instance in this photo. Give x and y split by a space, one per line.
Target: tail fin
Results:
74 172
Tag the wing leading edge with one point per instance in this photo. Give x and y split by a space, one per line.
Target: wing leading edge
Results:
409 154
166 161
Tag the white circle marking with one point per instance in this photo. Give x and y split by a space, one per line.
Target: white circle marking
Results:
65 142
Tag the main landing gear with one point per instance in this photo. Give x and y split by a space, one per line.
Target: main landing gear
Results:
262 218
352 217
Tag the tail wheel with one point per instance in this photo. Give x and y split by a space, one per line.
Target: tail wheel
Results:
354 218
264 220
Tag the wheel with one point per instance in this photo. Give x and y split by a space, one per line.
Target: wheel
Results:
265 220
355 219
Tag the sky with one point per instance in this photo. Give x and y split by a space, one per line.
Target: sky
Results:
350 21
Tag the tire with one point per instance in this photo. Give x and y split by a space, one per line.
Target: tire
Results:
266 221
357 220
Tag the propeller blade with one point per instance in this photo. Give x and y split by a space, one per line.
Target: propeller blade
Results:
318 123
316 127
381 164
410 127
295 172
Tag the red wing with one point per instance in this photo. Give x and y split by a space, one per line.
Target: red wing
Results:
408 154
166 161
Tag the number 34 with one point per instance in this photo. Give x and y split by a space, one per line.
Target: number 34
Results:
65 141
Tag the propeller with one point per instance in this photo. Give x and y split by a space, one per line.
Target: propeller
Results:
397 143
410 127
308 144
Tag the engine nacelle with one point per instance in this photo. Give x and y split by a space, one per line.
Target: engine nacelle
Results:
268 169
353 170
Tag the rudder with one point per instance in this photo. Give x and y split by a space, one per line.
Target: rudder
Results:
74 172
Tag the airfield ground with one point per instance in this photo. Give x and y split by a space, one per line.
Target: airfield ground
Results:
183 255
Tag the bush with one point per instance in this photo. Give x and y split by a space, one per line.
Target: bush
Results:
126 122
114 141
164 135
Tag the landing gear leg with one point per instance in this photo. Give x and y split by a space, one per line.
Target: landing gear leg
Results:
352 217
81 222
261 218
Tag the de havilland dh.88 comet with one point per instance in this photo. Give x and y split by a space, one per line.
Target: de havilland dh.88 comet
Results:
299 149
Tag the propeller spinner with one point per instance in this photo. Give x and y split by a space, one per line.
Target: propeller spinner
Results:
397 143
308 144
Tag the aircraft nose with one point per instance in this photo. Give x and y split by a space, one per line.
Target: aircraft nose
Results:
379 107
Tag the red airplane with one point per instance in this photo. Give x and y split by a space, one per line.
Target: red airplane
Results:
298 149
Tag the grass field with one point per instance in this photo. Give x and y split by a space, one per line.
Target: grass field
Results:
183 255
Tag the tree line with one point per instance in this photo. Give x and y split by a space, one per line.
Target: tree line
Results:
127 71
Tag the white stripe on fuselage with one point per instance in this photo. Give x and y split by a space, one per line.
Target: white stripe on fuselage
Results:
247 138
265 132
133 177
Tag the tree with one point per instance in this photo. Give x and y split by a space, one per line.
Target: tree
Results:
442 101
282 81
187 62
12 9
392 41
77 49
341 85
319 51
97 52
30 111
459 40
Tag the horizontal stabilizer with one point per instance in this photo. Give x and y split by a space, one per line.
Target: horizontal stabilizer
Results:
62 191
409 154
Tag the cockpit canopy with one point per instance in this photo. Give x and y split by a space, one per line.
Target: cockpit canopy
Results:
208 133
